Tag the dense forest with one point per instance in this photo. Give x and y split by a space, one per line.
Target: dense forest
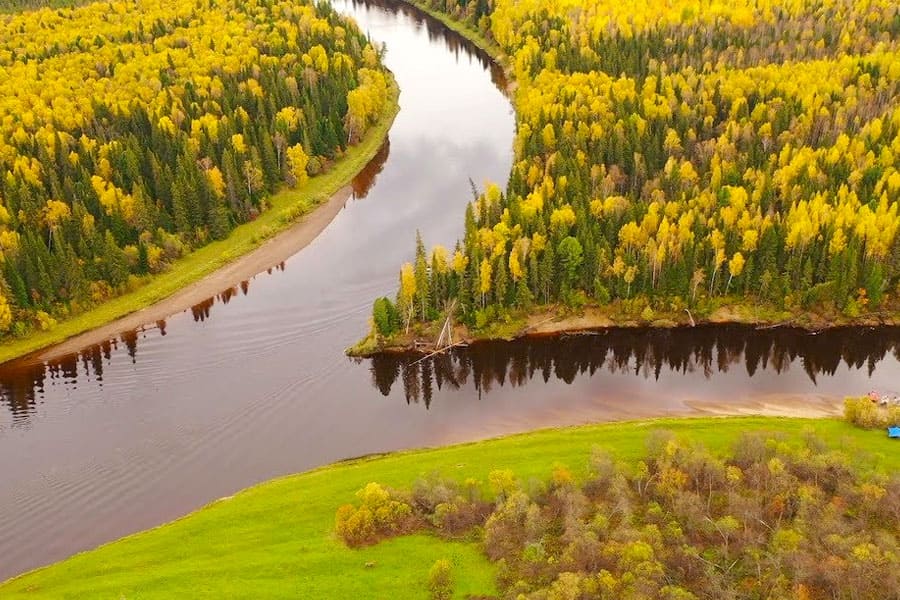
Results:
772 519
131 133
686 154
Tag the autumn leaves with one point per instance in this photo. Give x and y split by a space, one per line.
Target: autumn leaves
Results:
161 129
699 153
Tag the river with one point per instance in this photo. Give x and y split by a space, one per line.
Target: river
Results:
253 383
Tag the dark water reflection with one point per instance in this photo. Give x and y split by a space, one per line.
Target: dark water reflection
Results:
366 178
700 353
697 354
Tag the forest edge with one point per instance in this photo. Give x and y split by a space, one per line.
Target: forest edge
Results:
294 219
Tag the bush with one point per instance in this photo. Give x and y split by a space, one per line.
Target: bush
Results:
485 317
440 580
380 515
601 292
314 166
866 413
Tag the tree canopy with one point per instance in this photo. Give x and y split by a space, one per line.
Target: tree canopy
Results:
695 150
132 132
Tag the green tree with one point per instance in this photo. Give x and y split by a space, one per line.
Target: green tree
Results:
570 254
423 295
386 317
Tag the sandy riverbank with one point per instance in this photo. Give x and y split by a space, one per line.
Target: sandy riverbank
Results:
807 406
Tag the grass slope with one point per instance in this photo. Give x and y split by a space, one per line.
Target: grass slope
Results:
276 540
285 208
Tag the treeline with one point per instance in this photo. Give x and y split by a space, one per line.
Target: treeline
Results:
772 519
164 128
685 155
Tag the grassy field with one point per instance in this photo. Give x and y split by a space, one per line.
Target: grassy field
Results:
286 208
276 540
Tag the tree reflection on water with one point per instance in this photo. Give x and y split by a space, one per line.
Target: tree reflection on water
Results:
695 352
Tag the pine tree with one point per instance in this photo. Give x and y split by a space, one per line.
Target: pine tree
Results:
423 293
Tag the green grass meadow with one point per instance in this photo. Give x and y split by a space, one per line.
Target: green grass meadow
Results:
276 540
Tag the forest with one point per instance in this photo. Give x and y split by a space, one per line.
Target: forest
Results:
685 155
132 133
769 519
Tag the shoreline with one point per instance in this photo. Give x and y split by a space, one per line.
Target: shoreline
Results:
812 407
250 249
550 322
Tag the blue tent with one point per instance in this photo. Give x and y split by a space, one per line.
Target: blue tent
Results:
894 432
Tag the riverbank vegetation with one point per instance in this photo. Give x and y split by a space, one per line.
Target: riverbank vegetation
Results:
768 519
871 412
683 159
279 539
168 127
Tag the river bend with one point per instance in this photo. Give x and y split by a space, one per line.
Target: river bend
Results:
253 383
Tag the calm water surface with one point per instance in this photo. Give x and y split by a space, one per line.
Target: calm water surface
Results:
253 383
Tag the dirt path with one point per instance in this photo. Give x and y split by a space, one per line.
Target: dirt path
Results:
275 250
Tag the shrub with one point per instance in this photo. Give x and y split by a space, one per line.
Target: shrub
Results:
514 523
45 322
864 412
769 519
314 166
601 292
440 580
456 518
379 515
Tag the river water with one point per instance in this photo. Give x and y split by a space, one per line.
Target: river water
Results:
253 383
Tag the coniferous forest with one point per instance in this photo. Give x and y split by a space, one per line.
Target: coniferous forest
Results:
132 133
690 154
